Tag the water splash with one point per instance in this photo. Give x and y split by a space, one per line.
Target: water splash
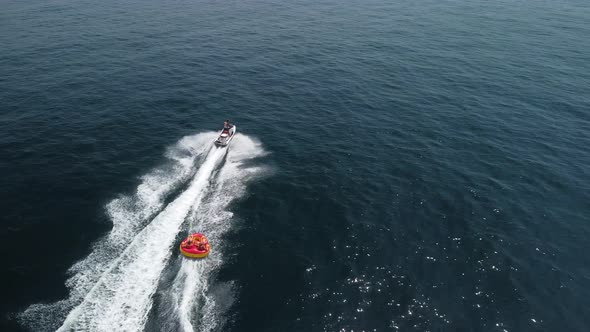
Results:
112 288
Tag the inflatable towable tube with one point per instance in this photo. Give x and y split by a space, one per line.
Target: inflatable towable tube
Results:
195 246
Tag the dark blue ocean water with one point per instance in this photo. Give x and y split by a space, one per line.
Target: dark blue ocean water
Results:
400 165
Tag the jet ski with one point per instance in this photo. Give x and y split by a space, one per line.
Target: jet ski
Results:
226 136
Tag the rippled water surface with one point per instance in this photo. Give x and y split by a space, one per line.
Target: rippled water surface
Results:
400 165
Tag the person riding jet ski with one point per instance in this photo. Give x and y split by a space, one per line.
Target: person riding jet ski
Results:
227 125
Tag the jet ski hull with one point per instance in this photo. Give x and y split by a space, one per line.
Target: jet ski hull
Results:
225 137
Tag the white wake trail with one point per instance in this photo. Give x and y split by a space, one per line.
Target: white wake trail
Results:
112 288
99 282
121 299
196 309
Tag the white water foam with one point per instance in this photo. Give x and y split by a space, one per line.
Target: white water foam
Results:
193 303
102 284
121 299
